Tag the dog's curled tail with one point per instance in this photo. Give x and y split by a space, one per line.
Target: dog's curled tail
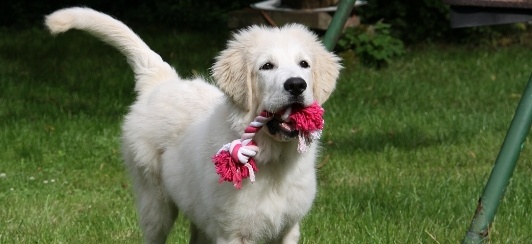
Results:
147 65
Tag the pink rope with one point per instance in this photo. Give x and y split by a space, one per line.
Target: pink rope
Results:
234 161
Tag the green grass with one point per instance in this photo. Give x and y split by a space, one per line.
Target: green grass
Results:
406 150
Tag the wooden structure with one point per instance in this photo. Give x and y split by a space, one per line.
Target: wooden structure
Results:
469 13
280 12
308 4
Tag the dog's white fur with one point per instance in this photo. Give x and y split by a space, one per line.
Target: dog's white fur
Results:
176 126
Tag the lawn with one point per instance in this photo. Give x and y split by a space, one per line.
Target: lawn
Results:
406 150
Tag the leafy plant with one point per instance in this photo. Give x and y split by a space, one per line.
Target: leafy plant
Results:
413 21
373 44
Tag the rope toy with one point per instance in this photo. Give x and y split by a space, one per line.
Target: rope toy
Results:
234 161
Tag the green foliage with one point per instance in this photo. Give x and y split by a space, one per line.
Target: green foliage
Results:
412 21
373 44
422 21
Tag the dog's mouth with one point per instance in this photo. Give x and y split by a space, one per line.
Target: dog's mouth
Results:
281 127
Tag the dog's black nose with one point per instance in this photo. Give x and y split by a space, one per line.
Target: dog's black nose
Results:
295 86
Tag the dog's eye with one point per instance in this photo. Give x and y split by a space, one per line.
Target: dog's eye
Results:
304 64
267 66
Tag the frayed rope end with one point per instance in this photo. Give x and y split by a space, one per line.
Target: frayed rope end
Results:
230 170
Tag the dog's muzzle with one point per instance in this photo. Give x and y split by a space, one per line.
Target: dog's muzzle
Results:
280 126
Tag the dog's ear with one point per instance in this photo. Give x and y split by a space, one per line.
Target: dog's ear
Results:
233 73
325 72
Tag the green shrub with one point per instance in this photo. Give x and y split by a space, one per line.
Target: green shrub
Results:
413 21
373 44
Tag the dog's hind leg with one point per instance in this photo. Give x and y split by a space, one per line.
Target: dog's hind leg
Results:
197 236
157 213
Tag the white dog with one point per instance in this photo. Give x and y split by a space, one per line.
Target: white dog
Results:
176 126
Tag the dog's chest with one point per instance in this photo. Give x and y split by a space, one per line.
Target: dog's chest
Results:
266 212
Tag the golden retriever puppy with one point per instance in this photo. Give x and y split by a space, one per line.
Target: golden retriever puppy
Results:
176 126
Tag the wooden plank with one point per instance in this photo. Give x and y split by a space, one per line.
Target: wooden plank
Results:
314 20
527 4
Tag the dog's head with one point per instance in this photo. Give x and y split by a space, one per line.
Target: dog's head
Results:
274 68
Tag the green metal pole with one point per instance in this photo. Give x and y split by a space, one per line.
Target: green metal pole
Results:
503 169
337 23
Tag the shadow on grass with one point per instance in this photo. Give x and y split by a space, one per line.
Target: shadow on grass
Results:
58 77
77 74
